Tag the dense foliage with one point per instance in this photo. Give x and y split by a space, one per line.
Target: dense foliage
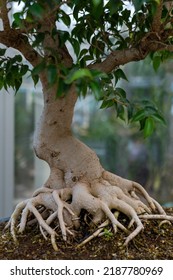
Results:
90 32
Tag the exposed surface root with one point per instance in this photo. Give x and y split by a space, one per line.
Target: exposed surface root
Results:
101 198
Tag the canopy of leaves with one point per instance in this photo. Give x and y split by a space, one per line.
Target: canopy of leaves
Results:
90 31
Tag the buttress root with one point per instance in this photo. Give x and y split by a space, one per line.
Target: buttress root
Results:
102 199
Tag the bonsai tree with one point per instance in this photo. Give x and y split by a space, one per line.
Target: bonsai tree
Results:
74 48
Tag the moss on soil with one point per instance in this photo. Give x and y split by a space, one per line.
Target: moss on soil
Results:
153 242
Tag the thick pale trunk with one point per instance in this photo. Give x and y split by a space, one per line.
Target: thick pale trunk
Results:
68 158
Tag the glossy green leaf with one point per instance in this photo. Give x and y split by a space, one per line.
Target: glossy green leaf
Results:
76 46
18 21
35 79
79 74
97 9
65 18
120 92
98 74
17 84
107 103
159 118
141 114
119 74
148 127
24 69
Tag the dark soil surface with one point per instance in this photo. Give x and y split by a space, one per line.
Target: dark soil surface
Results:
153 242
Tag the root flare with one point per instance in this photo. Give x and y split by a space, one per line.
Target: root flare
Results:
104 199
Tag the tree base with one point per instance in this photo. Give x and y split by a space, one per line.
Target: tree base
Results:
103 199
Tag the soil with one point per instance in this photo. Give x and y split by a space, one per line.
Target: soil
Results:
155 242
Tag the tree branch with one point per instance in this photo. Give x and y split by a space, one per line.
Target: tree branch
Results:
117 58
4 14
156 24
14 38
151 42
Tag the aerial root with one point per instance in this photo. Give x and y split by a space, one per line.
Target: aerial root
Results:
26 207
104 199
100 231
157 217
94 234
14 217
62 205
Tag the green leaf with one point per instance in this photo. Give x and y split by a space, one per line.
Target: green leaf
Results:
24 69
95 87
17 58
39 68
18 21
99 74
107 103
121 92
130 109
159 118
65 18
76 12
1 83
76 46
121 113
148 127
60 89
156 62
79 74
2 51
63 37
35 79
83 52
36 10
38 39
119 74
52 74
97 9
17 84
141 114
113 7
97 2
14 71
138 4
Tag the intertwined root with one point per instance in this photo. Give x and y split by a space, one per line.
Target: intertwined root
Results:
104 199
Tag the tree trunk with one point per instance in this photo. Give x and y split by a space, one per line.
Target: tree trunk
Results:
68 158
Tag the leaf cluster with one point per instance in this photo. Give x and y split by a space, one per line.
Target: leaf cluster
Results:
93 29
12 70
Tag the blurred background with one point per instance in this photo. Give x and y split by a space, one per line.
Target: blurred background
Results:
120 146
